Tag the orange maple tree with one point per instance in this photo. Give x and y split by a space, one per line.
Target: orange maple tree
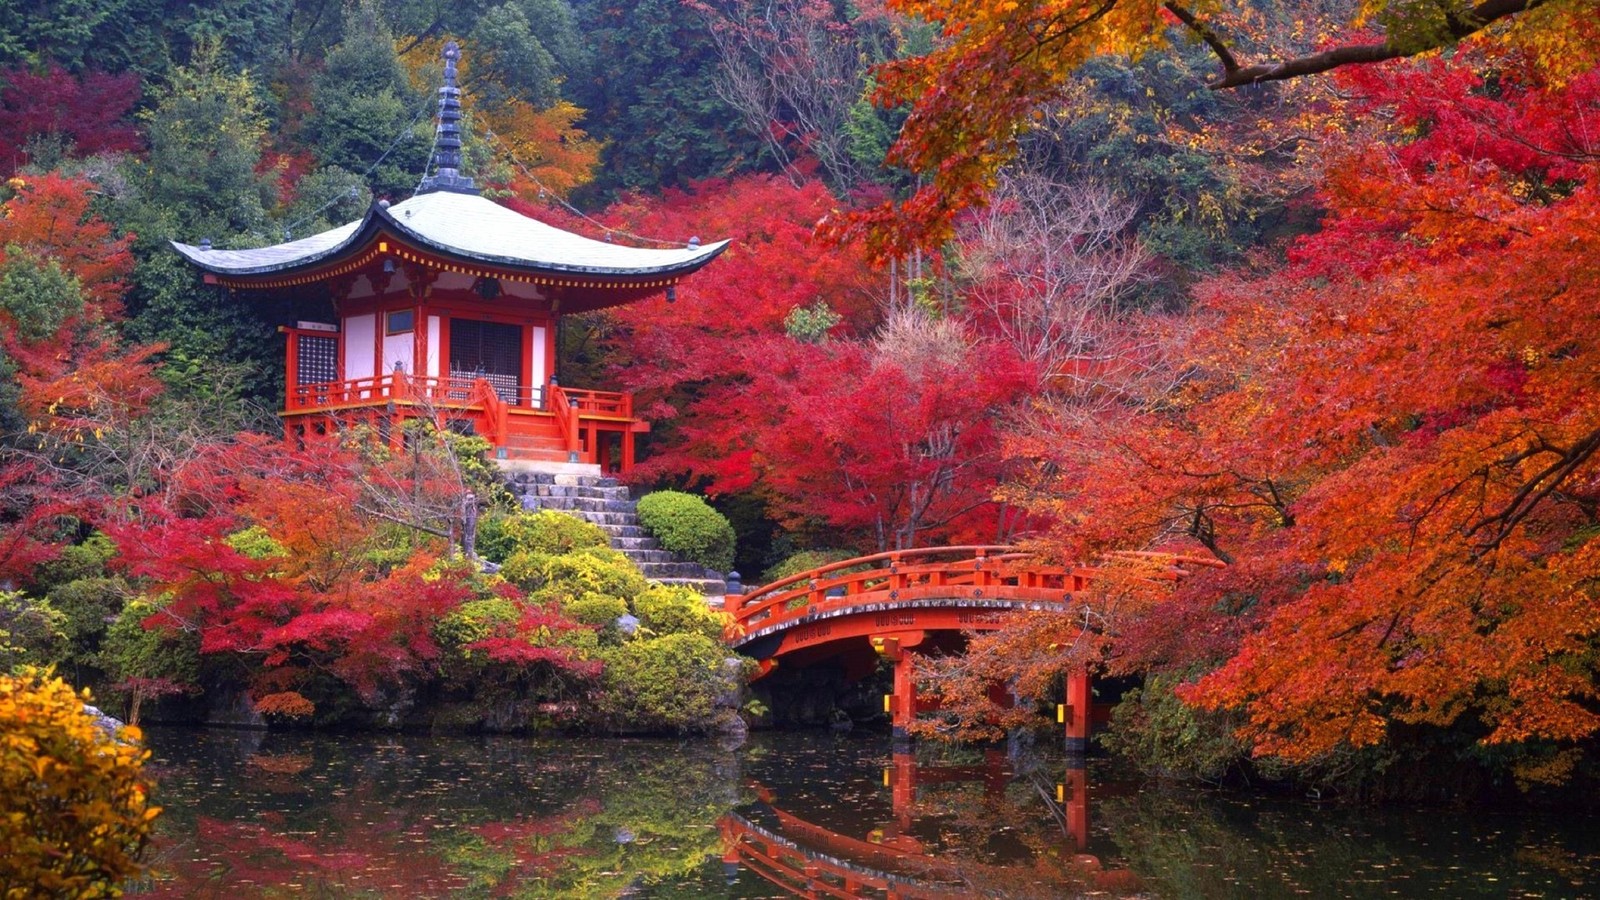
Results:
1392 438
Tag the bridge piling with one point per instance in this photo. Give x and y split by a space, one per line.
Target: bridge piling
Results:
1076 712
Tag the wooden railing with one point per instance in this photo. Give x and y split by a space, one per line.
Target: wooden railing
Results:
453 391
601 403
970 570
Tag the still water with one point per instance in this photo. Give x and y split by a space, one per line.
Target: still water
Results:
268 815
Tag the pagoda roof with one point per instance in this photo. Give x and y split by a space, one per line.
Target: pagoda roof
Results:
459 226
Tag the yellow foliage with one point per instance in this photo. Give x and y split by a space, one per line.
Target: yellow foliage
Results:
75 812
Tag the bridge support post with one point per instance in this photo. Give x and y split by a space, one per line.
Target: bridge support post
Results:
1076 711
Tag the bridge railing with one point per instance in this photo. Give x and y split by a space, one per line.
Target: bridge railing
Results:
847 582
973 568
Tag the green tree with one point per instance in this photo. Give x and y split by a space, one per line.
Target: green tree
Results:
36 32
366 116
650 97
202 181
513 64
37 294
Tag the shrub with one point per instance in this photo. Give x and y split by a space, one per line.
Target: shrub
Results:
667 609
592 570
75 814
501 537
88 605
689 527
669 683
85 560
32 632
473 621
256 542
148 662
1161 735
594 609
805 560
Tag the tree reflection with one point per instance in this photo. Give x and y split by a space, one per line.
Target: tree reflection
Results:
430 817
252 814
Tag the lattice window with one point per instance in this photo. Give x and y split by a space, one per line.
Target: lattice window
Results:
319 359
488 350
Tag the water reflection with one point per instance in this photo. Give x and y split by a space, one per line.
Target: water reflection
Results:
261 815
952 830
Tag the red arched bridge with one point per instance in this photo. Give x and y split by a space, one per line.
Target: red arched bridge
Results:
908 599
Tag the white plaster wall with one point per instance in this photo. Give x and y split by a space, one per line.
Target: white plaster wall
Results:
359 334
399 348
433 346
540 375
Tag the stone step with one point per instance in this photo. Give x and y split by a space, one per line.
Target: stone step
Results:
605 518
566 480
535 453
659 570
630 544
625 532
642 558
573 491
584 504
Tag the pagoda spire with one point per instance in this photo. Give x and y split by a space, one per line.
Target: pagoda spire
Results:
446 174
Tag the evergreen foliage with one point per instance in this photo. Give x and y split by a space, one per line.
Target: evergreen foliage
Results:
688 526
651 97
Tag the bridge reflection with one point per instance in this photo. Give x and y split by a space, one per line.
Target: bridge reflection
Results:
906 852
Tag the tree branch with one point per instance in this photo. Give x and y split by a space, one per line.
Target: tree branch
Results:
1234 75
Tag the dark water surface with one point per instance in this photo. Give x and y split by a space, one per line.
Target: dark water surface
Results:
268 815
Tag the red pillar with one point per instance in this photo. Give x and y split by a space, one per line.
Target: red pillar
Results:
1075 712
1073 795
903 789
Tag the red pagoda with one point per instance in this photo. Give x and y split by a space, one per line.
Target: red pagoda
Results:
445 306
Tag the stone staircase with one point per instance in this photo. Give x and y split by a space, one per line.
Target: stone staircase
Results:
606 503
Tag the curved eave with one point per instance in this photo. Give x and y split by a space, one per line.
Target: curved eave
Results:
309 253
332 248
684 267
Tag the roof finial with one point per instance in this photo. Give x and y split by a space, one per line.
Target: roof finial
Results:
446 175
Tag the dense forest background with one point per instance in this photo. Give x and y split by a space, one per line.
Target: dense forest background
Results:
1329 331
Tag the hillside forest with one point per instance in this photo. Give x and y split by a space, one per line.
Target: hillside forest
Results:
1301 288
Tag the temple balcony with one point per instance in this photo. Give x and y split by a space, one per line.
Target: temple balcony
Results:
526 425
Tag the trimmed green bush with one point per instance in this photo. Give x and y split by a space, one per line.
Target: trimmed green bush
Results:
805 560
686 525
501 537
666 609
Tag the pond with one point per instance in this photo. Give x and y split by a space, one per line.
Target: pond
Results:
251 814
